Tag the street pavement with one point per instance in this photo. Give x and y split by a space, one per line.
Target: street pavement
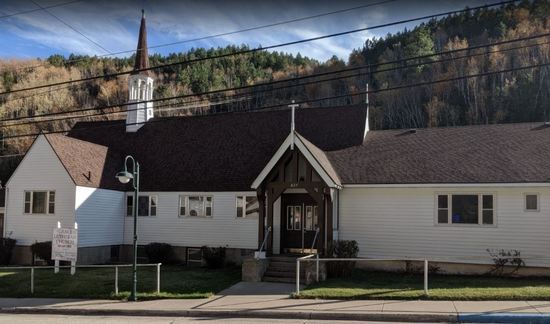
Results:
62 319
270 301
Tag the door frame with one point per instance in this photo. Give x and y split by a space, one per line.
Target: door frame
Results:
302 200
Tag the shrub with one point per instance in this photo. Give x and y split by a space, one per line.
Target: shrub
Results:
341 249
6 250
43 250
503 258
214 257
159 253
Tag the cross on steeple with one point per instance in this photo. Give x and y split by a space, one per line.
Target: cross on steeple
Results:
293 107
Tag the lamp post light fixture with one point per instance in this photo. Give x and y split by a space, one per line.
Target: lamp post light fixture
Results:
125 177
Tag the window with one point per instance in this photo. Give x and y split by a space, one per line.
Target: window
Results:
39 202
196 206
466 209
531 202
147 205
294 218
247 206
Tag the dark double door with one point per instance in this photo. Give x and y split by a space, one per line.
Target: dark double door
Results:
299 221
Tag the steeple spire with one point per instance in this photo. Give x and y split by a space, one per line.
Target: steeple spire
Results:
140 86
142 56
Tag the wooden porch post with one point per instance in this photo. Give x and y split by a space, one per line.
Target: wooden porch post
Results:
329 219
322 227
261 216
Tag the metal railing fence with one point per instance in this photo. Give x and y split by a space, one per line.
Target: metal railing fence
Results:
116 272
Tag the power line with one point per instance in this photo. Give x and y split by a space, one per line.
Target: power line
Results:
249 51
253 93
71 27
368 66
43 8
291 80
360 93
235 31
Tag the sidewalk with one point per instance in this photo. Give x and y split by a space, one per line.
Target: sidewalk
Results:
267 300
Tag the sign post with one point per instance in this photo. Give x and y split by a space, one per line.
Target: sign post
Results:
65 246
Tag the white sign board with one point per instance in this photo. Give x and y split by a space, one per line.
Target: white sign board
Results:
64 244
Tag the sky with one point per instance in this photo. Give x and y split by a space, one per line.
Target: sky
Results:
114 24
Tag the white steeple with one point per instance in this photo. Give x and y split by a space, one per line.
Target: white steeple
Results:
140 86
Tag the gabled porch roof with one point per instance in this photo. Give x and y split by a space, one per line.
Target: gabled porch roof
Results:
314 155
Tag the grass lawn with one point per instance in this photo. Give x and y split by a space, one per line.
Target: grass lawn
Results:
379 285
176 282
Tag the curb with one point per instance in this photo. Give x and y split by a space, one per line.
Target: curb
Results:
390 317
504 318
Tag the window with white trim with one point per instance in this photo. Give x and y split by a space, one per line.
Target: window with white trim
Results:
147 205
465 208
39 202
247 206
195 206
531 202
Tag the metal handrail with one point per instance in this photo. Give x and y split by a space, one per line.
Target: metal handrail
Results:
267 231
315 239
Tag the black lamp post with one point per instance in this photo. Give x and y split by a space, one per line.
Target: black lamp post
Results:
125 177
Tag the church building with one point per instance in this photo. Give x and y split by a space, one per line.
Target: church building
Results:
296 179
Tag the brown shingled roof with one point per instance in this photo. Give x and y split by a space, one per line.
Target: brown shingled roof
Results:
224 152
507 153
88 164
321 158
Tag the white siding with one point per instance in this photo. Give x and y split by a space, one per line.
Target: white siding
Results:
400 222
39 170
100 216
222 229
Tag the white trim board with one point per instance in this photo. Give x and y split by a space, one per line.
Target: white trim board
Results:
307 154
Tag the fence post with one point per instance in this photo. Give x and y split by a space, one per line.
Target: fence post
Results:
317 267
426 277
297 276
116 280
32 281
158 278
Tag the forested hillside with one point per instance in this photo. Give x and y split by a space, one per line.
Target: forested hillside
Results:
517 96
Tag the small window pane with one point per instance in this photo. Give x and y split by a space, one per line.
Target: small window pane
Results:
27 202
465 209
309 218
487 202
443 216
129 205
153 205
182 206
39 202
442 201
488 217
290 218
531 202
297 217
143 206
51 203
208 206
195 206
240 206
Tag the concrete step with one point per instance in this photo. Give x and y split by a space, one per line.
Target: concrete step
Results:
284 274
279 279
284 265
